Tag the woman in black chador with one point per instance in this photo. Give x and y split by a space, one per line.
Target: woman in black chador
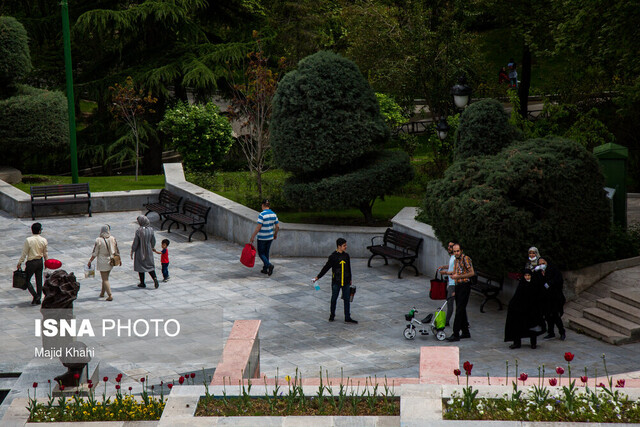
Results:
524 316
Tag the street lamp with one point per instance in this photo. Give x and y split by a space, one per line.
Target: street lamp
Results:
442 129
461 93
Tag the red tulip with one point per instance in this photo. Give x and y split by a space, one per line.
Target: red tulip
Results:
152 387
76 376
117 386
553 382
620 383
105 379
90 385
49 381
35 385
523 377
559 370
193 375
456 372
141 380
61 387
181 380
568 356
130 388
584 378
89 381
170 386
467 367
601 385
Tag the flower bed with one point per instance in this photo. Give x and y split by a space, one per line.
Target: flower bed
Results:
604 403
347 400
123 407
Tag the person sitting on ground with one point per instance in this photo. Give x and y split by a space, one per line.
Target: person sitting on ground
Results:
552 282
524 315
503 76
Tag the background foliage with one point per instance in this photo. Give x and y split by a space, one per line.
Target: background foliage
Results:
543 192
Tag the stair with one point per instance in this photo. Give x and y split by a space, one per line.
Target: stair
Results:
614 319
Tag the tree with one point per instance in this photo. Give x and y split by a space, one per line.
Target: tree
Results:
199 132
327 130
484 129
411 49
14 51
33 124
252 106
130 106
543 192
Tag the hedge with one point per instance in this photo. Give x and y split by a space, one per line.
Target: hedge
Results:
15 61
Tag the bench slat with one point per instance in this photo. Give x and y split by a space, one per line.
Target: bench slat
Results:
51 195
397 245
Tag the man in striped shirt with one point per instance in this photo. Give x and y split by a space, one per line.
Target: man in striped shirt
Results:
267 232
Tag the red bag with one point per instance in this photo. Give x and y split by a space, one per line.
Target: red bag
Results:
438 288
248 257
52 264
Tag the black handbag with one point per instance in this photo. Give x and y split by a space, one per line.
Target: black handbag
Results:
352 293
20 279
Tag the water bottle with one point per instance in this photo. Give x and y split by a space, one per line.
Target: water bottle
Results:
316 285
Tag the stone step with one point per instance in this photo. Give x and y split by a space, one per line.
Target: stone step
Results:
620 308
588 327
612 321
631 297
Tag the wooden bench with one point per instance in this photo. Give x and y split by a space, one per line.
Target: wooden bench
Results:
193 214
396 245
52 195
488 285
168 203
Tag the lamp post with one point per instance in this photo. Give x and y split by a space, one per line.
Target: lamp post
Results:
461 93
442 129
70 99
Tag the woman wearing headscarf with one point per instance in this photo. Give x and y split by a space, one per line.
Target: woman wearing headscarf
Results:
532 261
524 315
552 282
143 245
104 248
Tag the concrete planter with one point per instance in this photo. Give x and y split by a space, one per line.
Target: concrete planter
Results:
420 405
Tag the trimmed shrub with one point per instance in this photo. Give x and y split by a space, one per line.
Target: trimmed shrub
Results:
540 192
33 121
381 174
325 116
328 131
484 129
199 132
15 60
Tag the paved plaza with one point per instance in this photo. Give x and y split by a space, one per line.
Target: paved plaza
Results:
207 278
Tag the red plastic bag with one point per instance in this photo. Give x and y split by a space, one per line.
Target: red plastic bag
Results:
248 256
52 264
438 288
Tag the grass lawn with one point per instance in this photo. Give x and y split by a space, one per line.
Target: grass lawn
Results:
241 188
96 183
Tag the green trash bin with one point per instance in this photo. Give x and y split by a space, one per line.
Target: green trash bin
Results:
613 163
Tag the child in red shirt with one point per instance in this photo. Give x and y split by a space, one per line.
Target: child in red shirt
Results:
164 259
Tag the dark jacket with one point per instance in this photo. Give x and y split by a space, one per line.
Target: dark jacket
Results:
525 311
553 295
340 264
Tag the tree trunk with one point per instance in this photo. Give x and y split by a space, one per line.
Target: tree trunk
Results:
259 182
137 152
367 211
525 82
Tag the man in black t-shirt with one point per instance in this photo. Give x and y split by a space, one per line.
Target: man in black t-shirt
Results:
340 265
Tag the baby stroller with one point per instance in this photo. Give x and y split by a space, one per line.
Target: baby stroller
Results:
436 321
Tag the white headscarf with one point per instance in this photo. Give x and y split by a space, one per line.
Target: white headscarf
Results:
105 232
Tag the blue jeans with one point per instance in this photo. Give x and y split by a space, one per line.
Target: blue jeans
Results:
165 270
263 252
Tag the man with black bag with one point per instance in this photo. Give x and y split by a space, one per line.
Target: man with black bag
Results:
340 265
35 252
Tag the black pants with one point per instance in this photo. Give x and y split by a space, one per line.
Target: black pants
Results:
461 323
151 273
346 294
533 338
553 318
34 267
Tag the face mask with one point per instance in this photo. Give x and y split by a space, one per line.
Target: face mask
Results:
528 280
543 266
532 258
